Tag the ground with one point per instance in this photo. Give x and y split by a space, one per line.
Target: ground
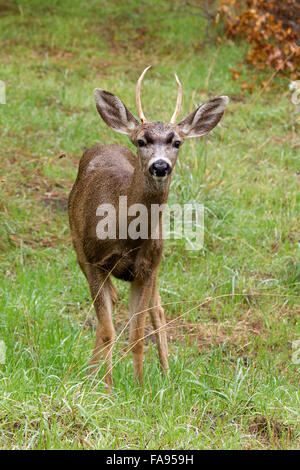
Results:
232 308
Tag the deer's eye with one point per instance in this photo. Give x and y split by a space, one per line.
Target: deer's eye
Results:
141 143
177 144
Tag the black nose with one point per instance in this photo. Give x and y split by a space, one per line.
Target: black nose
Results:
160 168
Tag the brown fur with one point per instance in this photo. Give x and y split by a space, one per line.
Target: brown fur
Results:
106 173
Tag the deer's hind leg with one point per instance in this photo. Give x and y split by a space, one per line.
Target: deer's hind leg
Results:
102 291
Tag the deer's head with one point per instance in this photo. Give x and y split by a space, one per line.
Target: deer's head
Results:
158 143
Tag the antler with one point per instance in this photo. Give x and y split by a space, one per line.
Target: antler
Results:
138 98
138 95
178 102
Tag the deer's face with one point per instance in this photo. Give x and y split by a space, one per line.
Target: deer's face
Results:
157 148
158 142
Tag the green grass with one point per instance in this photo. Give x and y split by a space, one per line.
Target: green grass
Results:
233 383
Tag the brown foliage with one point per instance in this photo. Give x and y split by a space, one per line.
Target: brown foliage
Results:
272 28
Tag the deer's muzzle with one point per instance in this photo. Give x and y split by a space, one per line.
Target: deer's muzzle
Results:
160 168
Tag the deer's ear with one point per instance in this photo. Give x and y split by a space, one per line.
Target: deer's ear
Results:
114 112
203 119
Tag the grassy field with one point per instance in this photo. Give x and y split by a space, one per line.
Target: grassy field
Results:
233 307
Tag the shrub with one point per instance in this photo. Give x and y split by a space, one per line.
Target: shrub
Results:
272 28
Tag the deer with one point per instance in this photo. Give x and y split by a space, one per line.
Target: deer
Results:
108 172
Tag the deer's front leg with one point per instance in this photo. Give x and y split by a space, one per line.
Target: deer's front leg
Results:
159 325
140 295
102 289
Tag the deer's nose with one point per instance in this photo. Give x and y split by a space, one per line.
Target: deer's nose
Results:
160 168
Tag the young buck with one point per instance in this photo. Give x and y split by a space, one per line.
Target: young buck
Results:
107 173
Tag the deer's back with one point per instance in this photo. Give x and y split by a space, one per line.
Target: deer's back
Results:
104 174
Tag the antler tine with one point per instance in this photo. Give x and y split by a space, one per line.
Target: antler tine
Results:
178 103
138 95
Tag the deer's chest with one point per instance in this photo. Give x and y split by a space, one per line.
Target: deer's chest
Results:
137 262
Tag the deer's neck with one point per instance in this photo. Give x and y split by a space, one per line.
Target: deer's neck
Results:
149 191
